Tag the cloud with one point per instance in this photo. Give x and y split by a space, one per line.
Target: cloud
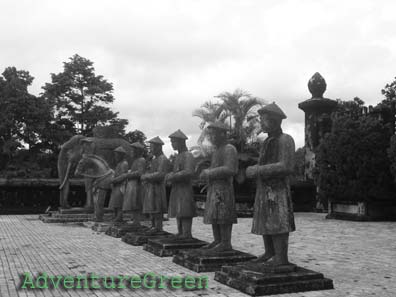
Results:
165 58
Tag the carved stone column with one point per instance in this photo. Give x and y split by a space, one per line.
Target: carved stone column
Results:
317 121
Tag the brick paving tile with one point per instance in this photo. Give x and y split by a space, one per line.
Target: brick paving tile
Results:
358 256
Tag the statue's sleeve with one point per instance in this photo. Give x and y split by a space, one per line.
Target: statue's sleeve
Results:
122 173
230 167
163 169
140 168
285 164
188 170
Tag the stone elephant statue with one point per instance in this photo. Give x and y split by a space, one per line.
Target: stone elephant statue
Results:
71 153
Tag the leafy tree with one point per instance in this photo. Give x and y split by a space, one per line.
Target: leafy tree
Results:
389 91
24 120
351 107
135 136
57 132
299 165
209 112
392 156
79 95
23 116
238 106
352 162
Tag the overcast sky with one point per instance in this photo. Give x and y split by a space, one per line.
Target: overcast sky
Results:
165 58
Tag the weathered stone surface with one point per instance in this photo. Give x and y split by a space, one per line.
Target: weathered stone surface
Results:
66 219
72 215
258 279
141 237
62 249
120 230
202 260
101 226
75 210
169 246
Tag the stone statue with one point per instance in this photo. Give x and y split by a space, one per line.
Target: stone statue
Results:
71 153
154 202
88 148
273 210
100 174
133 198
181 201
220 202
118 186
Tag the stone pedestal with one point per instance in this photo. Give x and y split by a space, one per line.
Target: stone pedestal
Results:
119 230
318 121
88 224
169 246
75 210
141 237
101 226
72 215
203 260
258 279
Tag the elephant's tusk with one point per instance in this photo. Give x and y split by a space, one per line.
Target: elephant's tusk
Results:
66 176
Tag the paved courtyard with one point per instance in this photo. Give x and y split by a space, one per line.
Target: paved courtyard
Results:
359 256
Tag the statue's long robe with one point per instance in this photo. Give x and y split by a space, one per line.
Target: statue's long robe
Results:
220 199
133 198
154 201
181 201
118 190
276 164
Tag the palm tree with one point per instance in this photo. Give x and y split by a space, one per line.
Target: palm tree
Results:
209 112
238 106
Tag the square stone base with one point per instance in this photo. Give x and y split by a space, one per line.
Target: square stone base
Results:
169 246
258 279
203 261
101 226
120 230
57 217
141 237
75 210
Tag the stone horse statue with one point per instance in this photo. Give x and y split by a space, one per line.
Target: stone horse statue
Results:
96 168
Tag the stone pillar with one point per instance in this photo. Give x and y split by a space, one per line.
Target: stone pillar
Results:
317 122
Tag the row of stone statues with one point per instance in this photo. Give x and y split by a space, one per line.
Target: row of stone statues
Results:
273 212
141 188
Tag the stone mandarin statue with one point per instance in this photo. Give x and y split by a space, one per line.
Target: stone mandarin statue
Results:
220 209
133 198
88 148
273 210
181 202
118 188
154 202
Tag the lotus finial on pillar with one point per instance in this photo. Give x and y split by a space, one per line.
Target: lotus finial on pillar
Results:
317 85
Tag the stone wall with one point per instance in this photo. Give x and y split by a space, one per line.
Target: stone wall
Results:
24 196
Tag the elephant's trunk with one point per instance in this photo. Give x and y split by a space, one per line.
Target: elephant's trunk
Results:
69 165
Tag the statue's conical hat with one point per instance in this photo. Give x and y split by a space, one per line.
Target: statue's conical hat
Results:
178 134
156 140
272 109
120 149
137 145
